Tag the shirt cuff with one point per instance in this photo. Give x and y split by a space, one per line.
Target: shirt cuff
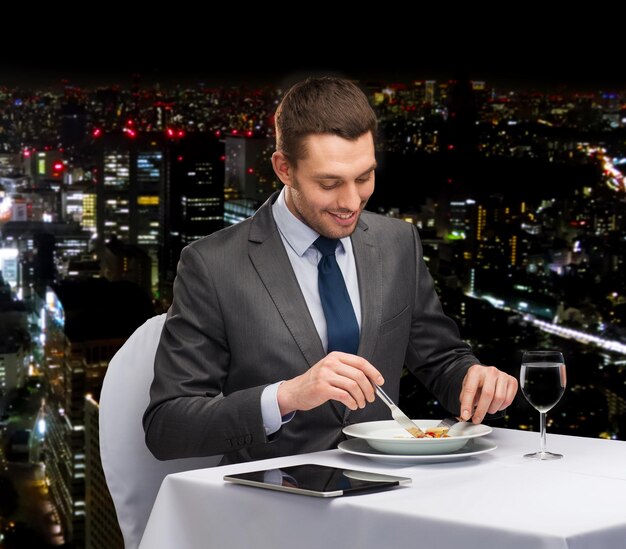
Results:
272 420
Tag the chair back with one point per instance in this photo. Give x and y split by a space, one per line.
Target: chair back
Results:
133 475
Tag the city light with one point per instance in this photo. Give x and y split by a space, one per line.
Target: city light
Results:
522 224
614 177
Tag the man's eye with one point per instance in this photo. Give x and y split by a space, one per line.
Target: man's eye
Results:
329 187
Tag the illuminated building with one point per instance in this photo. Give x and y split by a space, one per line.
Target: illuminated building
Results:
237 210
249 168
121 261
64 457
79 205
9 162
89 217
196 198
193 199
131 179
84 323
13 353
514 253
429 92
160 191
9 264
101 529
461 217
36 204
44 167
41 247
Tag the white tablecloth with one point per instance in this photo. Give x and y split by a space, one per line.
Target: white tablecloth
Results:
495 500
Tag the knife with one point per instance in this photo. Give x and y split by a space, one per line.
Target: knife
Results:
399 415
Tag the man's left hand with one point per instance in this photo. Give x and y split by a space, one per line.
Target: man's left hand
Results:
486 390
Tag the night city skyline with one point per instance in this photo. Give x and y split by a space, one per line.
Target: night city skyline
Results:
518 194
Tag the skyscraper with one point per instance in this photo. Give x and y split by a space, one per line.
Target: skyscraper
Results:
248 166
131 176
192 199
86 322
102 530
160 191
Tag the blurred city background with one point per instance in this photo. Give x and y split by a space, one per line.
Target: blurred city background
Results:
518 192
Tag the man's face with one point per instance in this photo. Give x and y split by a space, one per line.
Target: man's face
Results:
329 188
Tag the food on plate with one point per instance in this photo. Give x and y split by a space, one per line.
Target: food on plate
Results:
437 432
430 432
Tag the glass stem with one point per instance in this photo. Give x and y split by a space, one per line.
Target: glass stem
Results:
542 429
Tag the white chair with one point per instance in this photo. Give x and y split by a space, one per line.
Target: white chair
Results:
132 473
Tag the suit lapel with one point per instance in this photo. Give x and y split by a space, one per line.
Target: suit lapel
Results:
369 272
269 257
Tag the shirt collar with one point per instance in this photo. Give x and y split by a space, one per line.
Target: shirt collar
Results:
297 234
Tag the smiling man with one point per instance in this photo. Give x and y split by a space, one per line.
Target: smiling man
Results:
281 324
332 183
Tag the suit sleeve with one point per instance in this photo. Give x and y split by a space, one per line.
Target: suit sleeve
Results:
436 354
187 415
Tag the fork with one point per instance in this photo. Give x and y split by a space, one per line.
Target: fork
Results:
448 422
456 426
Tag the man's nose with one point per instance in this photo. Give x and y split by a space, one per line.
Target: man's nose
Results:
349 198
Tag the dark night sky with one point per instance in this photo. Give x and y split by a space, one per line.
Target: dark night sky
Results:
523 48
545 72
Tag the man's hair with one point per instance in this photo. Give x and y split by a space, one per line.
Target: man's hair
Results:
324 105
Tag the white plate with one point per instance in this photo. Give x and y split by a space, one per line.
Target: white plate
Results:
387 436
360 447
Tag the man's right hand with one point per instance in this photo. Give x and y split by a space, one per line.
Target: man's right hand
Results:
338 376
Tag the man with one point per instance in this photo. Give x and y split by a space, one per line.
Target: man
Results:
271 346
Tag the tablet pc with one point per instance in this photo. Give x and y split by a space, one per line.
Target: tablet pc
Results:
318 480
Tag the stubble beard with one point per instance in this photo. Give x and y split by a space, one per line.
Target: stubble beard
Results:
315 220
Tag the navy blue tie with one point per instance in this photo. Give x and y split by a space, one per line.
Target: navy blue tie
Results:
342 328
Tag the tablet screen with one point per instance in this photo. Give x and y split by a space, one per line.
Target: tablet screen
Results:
318 480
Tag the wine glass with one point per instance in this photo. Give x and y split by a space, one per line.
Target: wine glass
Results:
543 379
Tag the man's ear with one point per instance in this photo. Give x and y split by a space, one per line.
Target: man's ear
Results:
282 168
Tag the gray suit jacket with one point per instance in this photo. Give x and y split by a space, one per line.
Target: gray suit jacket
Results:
239 322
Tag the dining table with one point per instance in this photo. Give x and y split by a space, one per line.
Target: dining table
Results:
495 499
